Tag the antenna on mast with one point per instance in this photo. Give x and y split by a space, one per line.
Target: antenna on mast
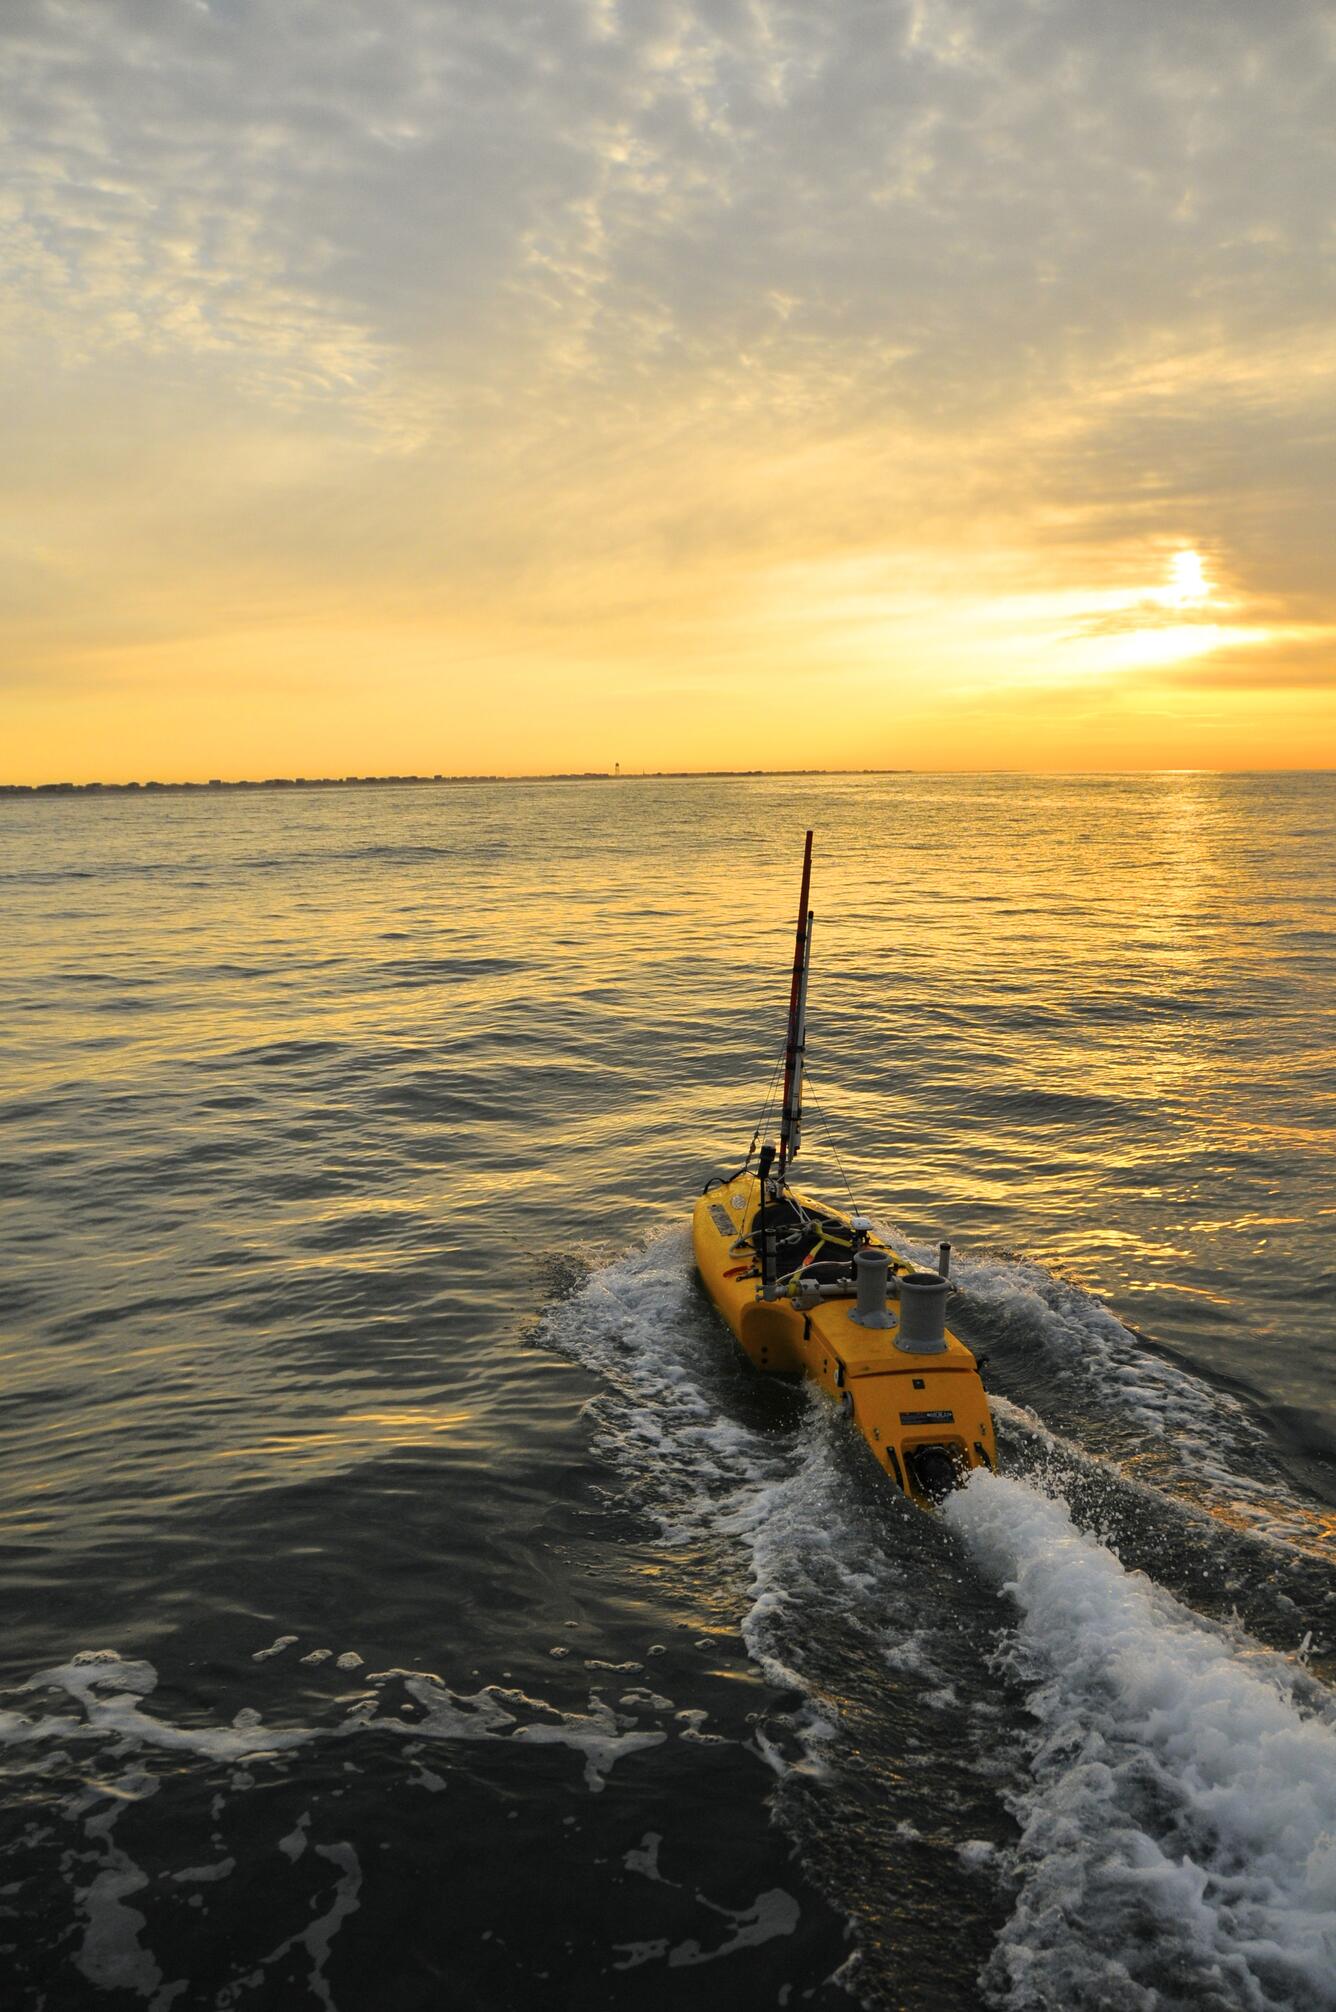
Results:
790 1126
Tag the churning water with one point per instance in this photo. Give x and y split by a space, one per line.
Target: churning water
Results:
410 1599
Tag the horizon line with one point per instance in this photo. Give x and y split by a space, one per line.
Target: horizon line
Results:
393 781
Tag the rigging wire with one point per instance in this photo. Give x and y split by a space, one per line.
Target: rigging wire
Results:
834 1154
764 1118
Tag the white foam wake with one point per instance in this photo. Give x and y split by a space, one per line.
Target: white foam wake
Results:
768 1501
659 1417
111 1691
1185 1435
1178 1844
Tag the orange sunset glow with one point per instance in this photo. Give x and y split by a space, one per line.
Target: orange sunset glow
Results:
688 386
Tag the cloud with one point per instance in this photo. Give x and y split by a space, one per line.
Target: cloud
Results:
434 306
1289 665
948 198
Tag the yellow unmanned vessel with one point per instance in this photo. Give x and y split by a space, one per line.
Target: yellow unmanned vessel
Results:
810 1291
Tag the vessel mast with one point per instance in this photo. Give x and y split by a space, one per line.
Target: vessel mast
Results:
796 1038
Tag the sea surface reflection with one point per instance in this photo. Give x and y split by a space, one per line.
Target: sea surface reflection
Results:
410 1599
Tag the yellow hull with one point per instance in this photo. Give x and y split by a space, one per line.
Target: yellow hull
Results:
902 1403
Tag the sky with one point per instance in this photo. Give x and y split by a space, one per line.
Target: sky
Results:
411 386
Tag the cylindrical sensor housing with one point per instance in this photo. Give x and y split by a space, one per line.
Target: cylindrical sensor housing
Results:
870 1269
923 1313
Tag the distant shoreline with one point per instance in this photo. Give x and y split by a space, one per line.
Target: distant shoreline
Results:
218 787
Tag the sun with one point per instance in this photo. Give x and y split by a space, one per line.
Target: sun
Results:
1188 583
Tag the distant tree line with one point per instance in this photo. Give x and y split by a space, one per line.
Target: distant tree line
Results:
400 781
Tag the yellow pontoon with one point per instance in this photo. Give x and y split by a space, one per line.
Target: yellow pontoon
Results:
810 1291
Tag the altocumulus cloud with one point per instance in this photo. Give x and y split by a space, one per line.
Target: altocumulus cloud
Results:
1064 263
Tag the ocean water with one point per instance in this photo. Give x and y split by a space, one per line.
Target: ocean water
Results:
411 1600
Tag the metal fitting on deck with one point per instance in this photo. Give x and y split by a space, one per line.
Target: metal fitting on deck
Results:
870 1270
922 1313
